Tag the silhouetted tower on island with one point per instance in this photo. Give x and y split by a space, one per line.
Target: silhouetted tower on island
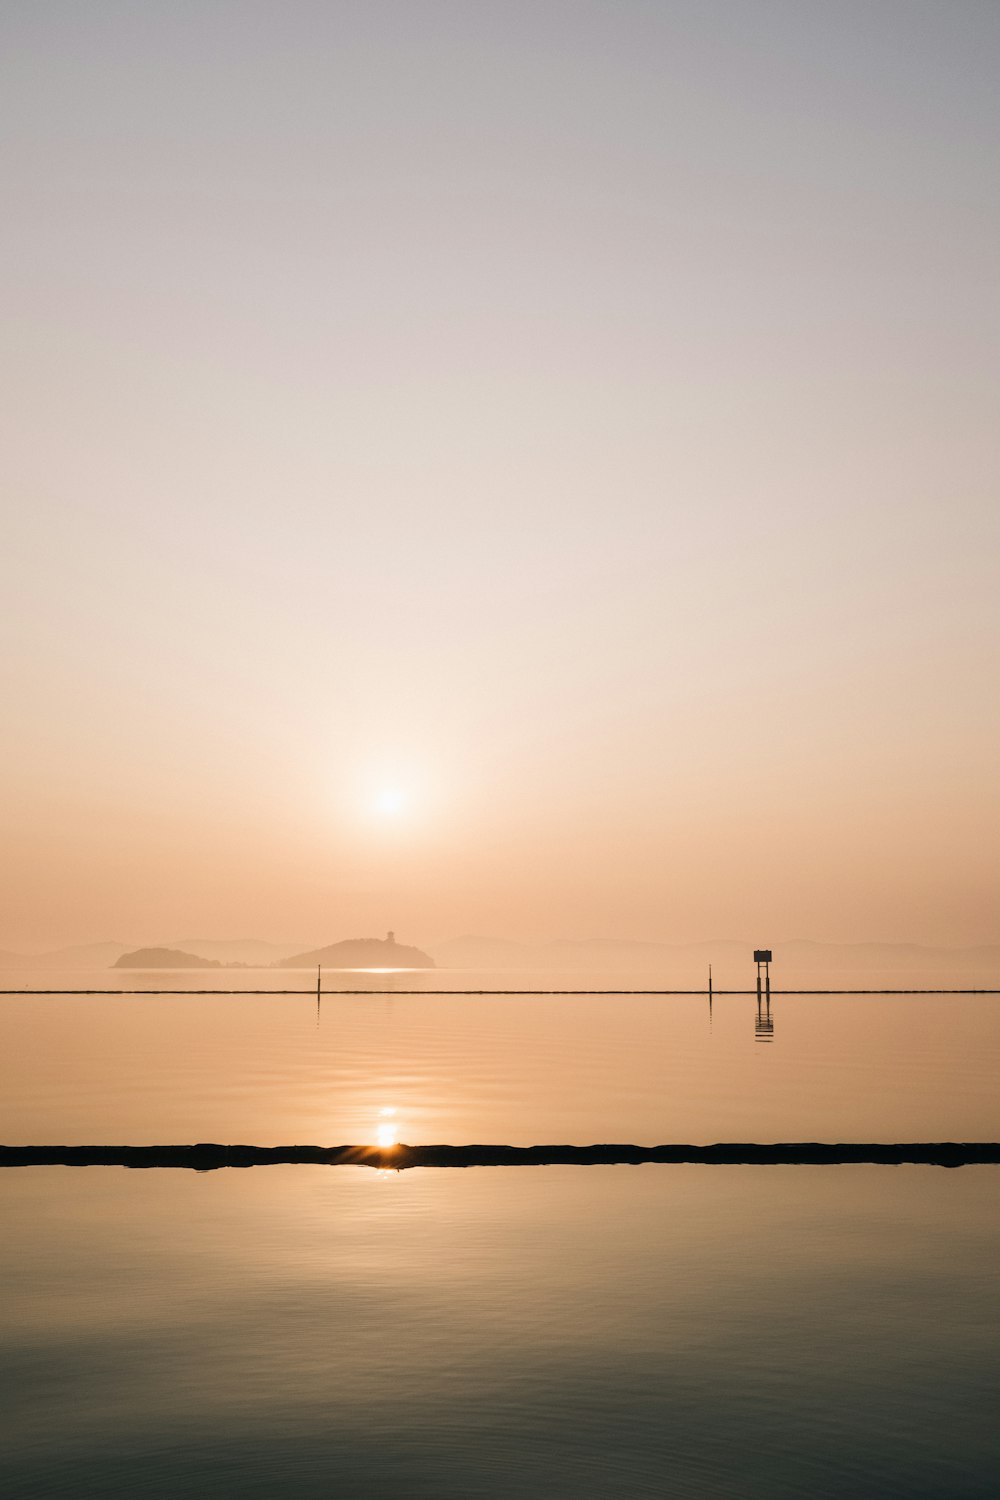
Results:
390 937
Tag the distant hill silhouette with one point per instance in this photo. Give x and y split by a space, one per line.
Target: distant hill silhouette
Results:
163 958
796 962
80 956
361 953
251 952
599 954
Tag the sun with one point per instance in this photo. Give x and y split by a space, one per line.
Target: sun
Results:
389 801
387 1131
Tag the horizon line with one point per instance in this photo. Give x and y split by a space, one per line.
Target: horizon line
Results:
316 993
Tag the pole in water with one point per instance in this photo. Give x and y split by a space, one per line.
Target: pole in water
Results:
763 956
319 970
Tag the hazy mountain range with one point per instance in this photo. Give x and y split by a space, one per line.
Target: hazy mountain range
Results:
677 963
730 959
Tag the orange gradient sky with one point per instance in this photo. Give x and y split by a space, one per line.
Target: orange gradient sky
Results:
503 467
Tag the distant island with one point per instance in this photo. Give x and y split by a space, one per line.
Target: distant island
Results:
353 953
361 953
164 958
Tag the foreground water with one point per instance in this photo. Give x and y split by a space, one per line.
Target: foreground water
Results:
556 1331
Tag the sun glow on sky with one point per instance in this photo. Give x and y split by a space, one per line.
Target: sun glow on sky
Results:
387 1131
386 789
503 470
390 801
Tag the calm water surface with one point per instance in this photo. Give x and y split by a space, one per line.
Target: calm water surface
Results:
516 1069
558 1331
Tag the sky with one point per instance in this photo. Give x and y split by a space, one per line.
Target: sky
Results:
501 467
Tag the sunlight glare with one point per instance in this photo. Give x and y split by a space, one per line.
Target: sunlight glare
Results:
387 1133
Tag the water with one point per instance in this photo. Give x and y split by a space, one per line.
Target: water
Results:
517 1069
552 1331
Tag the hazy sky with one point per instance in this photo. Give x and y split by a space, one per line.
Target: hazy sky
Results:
526 468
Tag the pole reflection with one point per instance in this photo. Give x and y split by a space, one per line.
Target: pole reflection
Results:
763 1030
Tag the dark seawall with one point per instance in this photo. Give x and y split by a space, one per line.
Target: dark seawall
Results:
208 1156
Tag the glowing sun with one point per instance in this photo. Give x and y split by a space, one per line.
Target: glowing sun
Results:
389 801
387 1131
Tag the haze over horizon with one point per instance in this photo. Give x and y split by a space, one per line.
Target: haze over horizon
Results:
506 468
270 948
